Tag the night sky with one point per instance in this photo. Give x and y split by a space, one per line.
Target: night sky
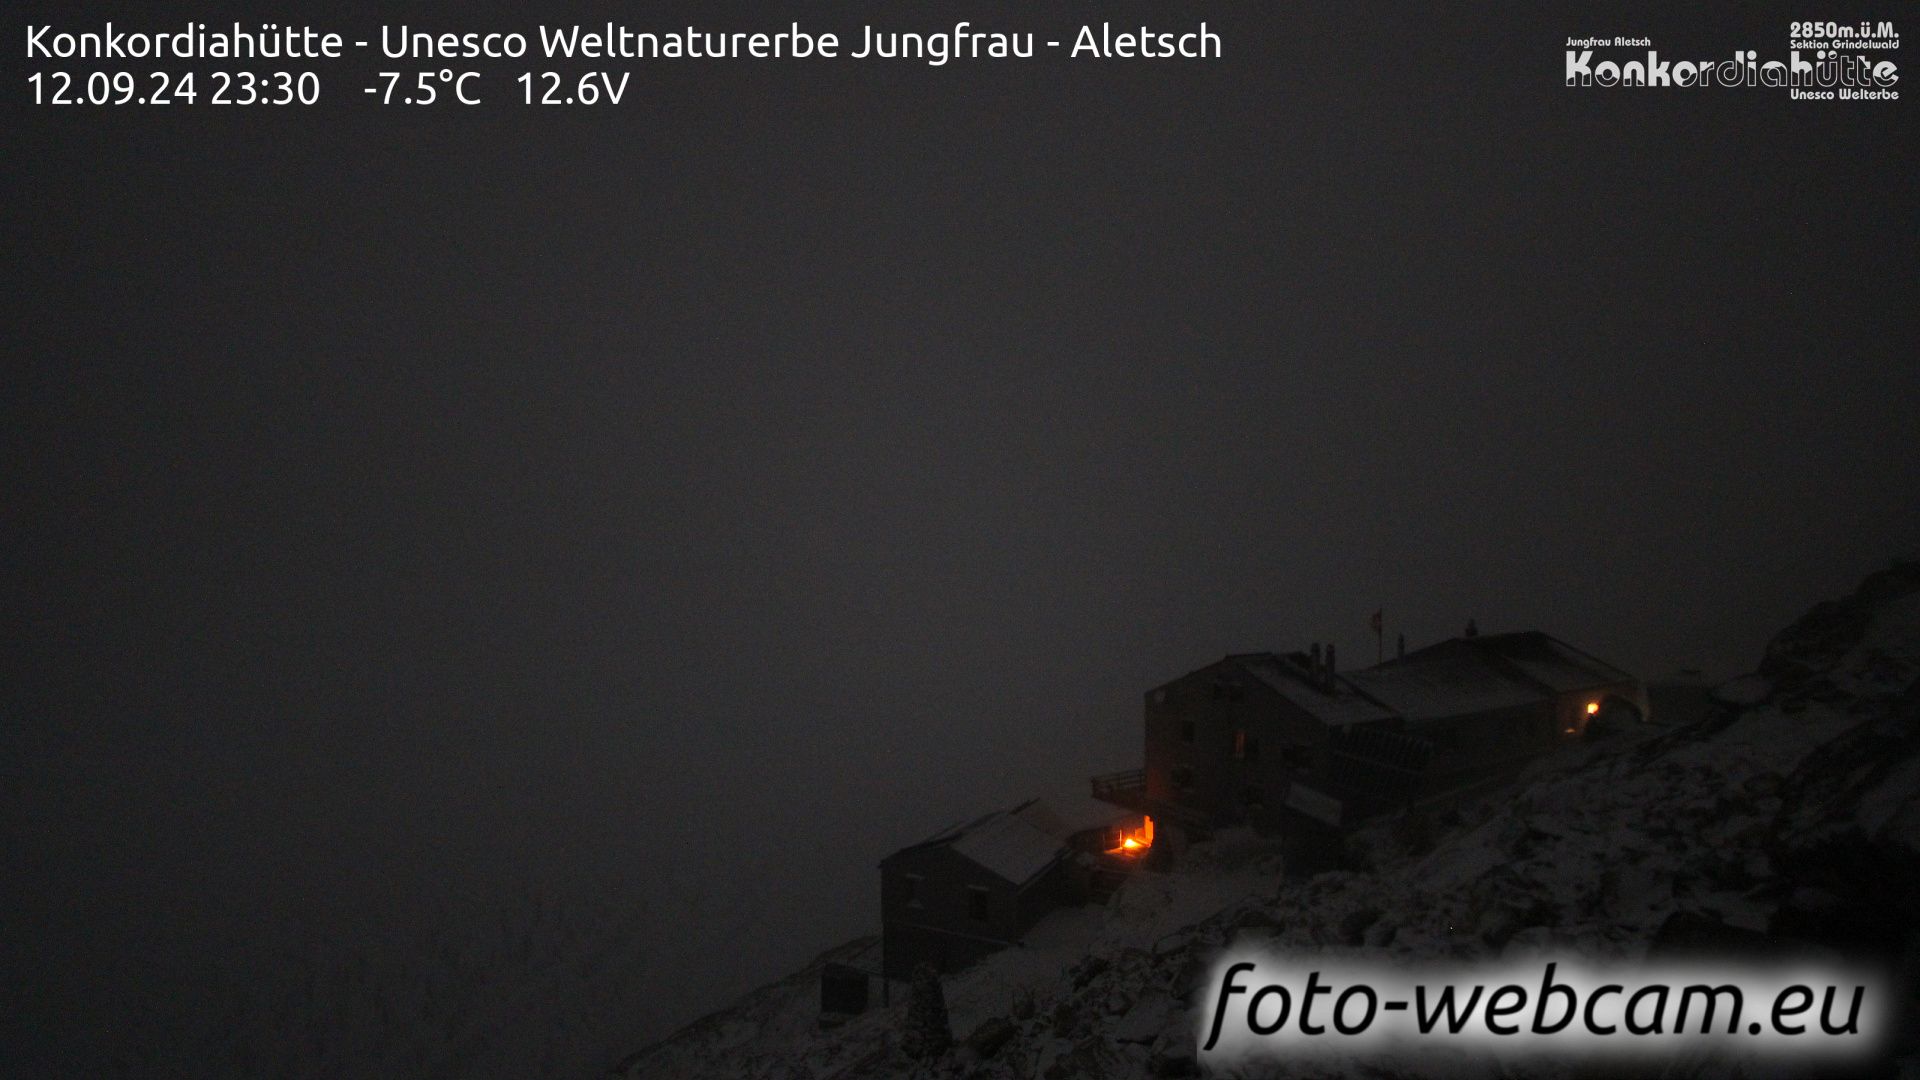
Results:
758 475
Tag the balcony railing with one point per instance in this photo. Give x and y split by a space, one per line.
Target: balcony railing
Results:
1128 788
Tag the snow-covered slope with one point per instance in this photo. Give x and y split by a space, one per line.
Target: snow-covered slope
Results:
1791 810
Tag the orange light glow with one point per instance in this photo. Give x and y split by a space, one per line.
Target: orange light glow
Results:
1134 841
1592 707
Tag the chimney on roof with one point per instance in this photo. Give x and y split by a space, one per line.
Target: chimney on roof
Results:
1331 670
1473 629
1313 662
1401 651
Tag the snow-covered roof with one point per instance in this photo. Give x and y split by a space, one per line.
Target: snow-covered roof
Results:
1340 707
1065 815
1443 681
1551 662
1018 844
1010 846
1314 803
957 828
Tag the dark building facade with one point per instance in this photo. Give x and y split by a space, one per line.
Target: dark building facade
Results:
1281 740
1229 742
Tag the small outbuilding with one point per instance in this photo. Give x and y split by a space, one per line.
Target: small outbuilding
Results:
979 886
